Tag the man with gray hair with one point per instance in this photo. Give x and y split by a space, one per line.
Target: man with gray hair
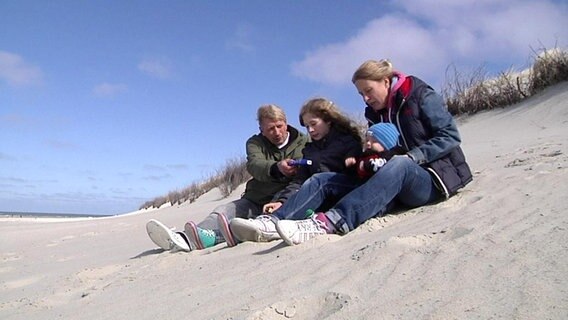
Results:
268 156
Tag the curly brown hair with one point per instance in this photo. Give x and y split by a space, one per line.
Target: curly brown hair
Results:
330 112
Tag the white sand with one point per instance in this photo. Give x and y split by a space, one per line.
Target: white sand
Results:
497 250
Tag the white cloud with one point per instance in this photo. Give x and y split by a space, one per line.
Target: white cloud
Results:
158 68
241 39
493 30
425 36
17 72
410 45
109 89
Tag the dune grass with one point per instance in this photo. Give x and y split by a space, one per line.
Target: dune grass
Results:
464 93
468 93
227 179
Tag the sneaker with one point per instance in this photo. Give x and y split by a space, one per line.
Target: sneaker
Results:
199 238
294 232
261 229
166 238
226 230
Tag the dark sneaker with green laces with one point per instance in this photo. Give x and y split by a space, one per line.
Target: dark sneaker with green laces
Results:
199 238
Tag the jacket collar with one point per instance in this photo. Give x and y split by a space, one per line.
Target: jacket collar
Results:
397 81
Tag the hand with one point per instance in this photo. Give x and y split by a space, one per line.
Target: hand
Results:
286 169
350 161
271 207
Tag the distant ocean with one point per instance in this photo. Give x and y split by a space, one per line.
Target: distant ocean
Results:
13 214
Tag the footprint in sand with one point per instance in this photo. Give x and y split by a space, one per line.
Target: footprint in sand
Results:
10 256
416 240
84 284
532 155
89 234
64 259
366 250
19 283
474 199
324 306
54 243
5 269
91 275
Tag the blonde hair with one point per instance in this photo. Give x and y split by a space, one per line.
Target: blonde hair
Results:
330 112
270 112
373 70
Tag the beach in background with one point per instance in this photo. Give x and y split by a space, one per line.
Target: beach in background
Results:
496 250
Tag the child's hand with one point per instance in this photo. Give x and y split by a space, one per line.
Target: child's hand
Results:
271 207
350 161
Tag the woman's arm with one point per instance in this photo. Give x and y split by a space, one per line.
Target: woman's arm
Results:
436 118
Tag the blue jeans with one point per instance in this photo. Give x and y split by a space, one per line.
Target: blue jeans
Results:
400 179
314 193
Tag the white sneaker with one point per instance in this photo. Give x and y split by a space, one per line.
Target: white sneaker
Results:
165 238
294 232
261 229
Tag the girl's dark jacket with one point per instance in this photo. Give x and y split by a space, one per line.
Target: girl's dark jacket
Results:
428 131
327 155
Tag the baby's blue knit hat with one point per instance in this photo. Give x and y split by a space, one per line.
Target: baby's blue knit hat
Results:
385 133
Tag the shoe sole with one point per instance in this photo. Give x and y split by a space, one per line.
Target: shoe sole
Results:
244 232
159 234
284 236
226 230
164 237
191 231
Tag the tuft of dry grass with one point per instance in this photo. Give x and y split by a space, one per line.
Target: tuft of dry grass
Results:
464 93
468 93
227 179
550 67
232 175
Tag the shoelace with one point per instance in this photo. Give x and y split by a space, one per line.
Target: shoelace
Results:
267 222
208 232
263 217
310 228
312 225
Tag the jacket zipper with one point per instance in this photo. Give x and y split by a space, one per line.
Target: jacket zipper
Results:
398 123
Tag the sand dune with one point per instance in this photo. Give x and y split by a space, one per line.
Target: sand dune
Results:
497 250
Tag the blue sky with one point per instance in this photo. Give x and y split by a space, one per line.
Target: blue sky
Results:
107 104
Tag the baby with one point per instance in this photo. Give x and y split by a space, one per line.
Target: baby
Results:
381 143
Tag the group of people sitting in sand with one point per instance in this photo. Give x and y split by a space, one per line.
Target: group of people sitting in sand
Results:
333 179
